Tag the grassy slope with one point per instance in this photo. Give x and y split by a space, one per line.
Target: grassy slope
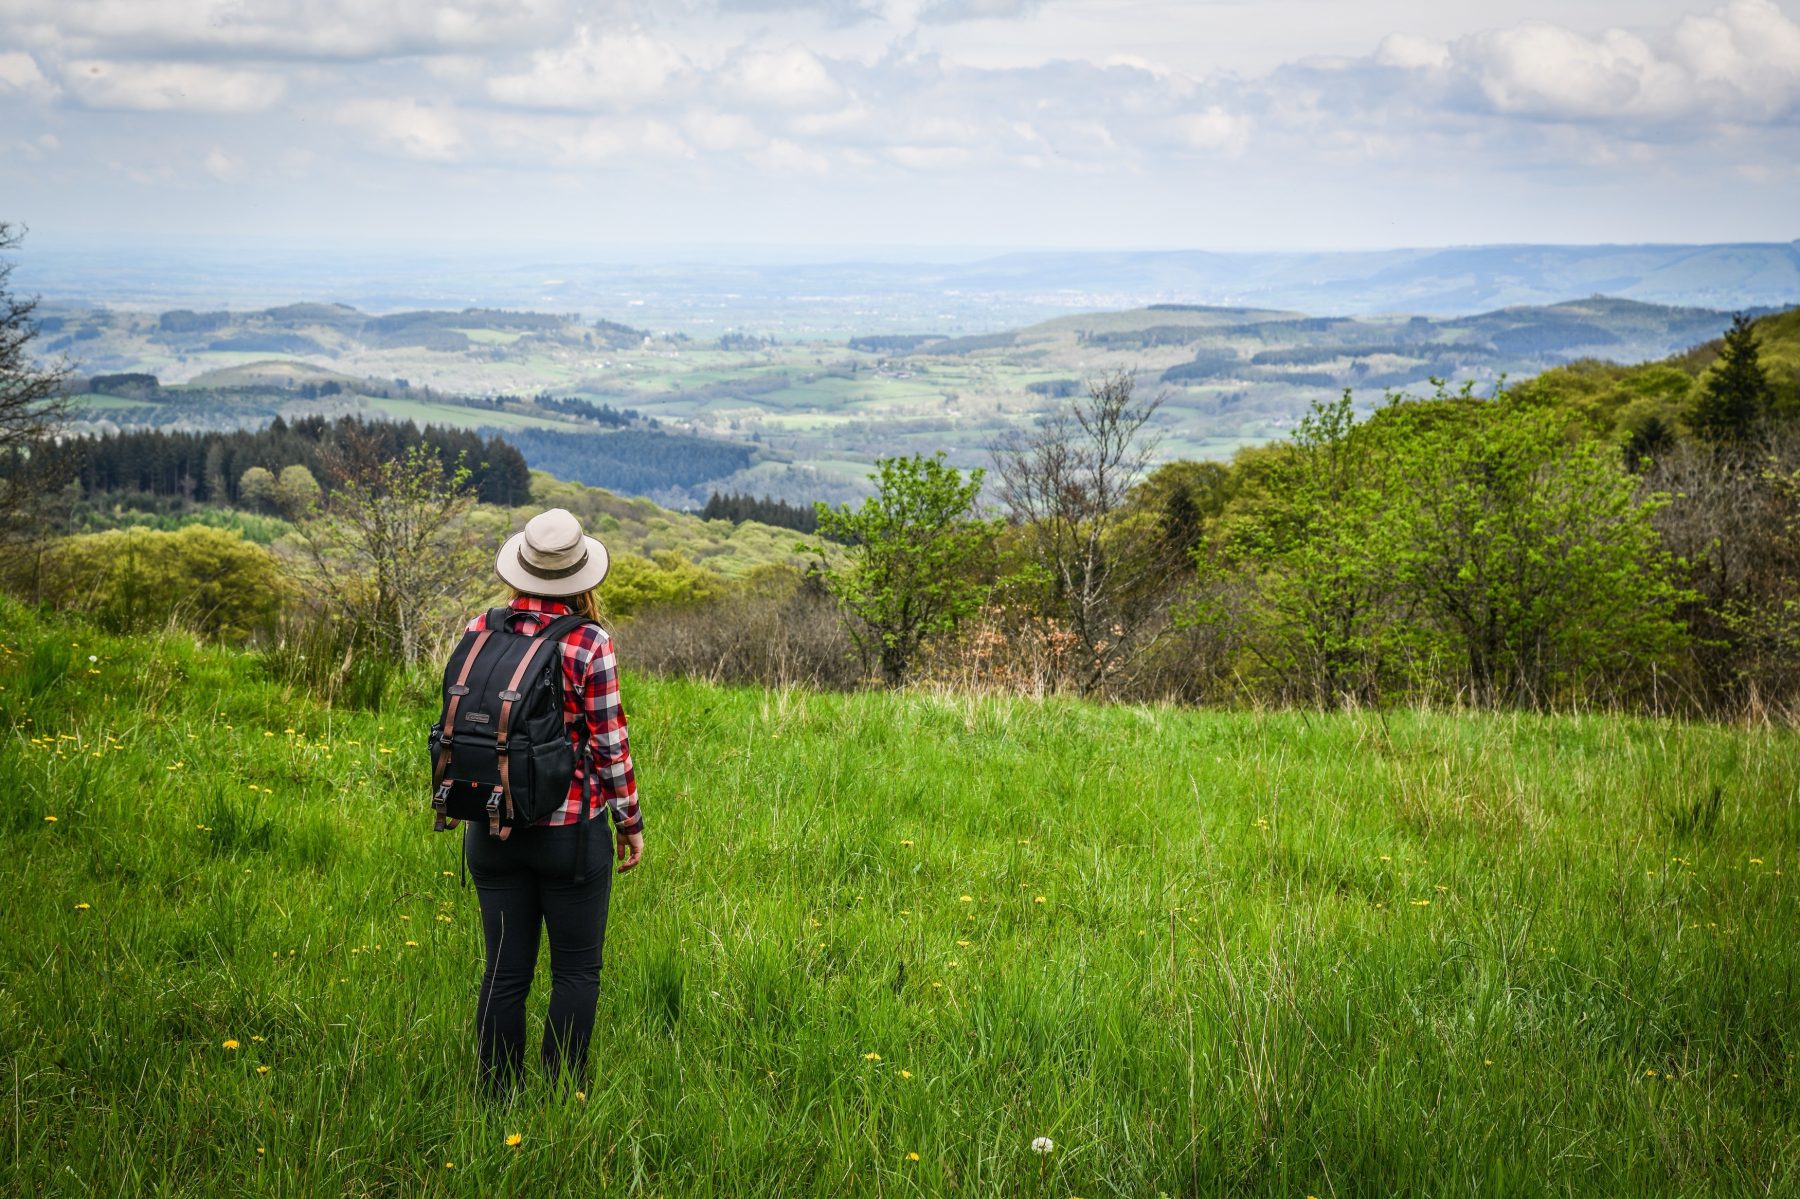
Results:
1276 954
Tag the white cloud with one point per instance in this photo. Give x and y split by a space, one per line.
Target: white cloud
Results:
1741 62
597 69
1411 52
784 157
170 86
19 73
299 29
425 132
221 165
1214 130
713 130
978 10
787 78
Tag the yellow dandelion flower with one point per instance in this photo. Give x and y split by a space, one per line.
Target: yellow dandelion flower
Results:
406 918
267 733
1037 899
912 1157
260 1151
1024 840
1386 858
906 1074
907 841
230 1044
412 944
514 1140
581 1096
1487 1061
871 1057
449 1165
952 964
1420 903
965 899
449 874
1650 1074
49 820
81 907
1442 889
937 984
960 941
258 1040
287 730
262 1069
1753 861
906 911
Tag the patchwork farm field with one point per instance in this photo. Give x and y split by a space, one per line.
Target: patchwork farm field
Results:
881 942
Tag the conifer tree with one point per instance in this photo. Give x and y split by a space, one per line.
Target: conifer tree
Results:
1737 395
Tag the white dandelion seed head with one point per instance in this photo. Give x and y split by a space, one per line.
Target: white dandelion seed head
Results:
93 657
1042 1144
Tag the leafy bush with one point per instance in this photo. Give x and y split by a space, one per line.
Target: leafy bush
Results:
128 580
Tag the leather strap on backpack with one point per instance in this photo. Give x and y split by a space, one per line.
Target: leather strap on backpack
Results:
445 739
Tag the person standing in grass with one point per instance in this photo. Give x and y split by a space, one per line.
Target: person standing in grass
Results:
526 878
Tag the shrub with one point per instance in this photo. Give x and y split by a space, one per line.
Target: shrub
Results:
129 580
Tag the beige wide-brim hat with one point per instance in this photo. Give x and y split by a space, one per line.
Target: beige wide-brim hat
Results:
552 556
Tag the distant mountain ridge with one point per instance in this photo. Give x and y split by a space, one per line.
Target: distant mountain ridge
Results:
1456 281
862 297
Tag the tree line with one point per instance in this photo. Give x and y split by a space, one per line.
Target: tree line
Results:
1630 543
209 467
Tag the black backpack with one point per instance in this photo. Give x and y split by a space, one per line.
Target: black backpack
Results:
500 752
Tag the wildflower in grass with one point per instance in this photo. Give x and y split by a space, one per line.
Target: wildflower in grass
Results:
960 941
906 841
267 733
1386 858
258 1040
229 1044
514 1140
1420 903
581 1096
173 766
1753 861
912 1157
449 874
906 911
1037 899
906 1074
1442 889
449 1165
871 1057
49 820
1024 840
965 899
81 907
1042 1145
262 1069
405 917
936 985
260 1151
1650 1073
412 944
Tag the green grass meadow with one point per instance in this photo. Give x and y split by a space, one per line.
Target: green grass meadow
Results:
1207 953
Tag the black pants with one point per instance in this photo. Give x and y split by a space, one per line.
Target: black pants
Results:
525 884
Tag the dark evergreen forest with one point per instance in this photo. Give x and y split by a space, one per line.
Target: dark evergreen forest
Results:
205 467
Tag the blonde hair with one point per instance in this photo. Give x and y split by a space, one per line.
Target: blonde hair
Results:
586 604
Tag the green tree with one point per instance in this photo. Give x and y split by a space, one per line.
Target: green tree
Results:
912 567
1307 538
1735 397
296 491
256 488
389 547
1533 555
32 406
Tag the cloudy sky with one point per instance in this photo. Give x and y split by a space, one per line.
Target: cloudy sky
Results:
1216 124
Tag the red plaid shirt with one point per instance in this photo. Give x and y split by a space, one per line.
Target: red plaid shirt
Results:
590 679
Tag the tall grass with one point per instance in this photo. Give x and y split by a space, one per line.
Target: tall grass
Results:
1205 953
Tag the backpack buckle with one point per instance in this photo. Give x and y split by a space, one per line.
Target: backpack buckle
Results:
493 812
